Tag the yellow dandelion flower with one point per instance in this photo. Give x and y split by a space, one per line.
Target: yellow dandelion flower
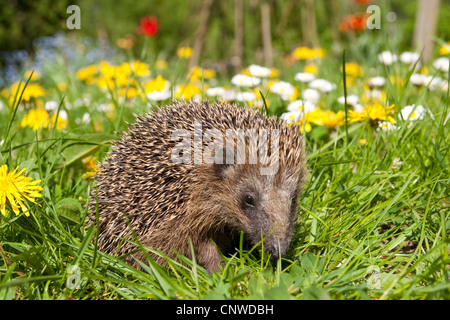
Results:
372 112
353 69
320 52
334 119
270 83
311 68
246 72
39 117
35 119
107 70
16 187
131 92
62 121
445 49
124 70
122 79
86 73
104 82
90 165
258 95
304 53
187 92
196 73
274 72
32 90
326 118
305 126
140 69
423 70
184 52
157 84
303 123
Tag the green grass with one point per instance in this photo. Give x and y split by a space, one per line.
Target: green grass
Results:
367 228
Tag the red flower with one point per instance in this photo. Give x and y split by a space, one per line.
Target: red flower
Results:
148 26
363 1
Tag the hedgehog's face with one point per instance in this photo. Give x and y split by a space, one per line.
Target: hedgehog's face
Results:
265 208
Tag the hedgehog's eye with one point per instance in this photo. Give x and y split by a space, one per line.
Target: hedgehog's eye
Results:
249 200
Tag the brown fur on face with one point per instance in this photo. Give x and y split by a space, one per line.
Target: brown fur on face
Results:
168 204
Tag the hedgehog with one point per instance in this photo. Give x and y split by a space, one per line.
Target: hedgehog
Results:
197 175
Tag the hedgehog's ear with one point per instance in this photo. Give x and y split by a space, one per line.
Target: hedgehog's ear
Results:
222 169
224 161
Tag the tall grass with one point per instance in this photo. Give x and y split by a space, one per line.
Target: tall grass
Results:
368 226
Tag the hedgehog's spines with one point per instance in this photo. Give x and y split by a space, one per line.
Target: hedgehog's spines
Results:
139 187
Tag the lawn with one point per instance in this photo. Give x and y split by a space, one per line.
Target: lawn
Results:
373 220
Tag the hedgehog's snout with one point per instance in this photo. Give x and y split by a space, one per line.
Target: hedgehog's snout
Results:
277 247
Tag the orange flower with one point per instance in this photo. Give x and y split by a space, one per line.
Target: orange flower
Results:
126 43
354 22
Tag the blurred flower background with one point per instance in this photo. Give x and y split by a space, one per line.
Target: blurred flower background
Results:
224 52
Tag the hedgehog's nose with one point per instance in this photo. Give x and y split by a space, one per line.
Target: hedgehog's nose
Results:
277 249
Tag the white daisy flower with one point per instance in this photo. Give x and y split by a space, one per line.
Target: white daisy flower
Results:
387 58
441 64
215 91
434 83
63 114
322 85
386 126
229 95
373 94
304 106
86 118
291 116
304 77
246 96
51 105
311 95
351 100
308 107
283 88
159 95
259 71
295 105
242 80
413 112
376 82
417 79
409 57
